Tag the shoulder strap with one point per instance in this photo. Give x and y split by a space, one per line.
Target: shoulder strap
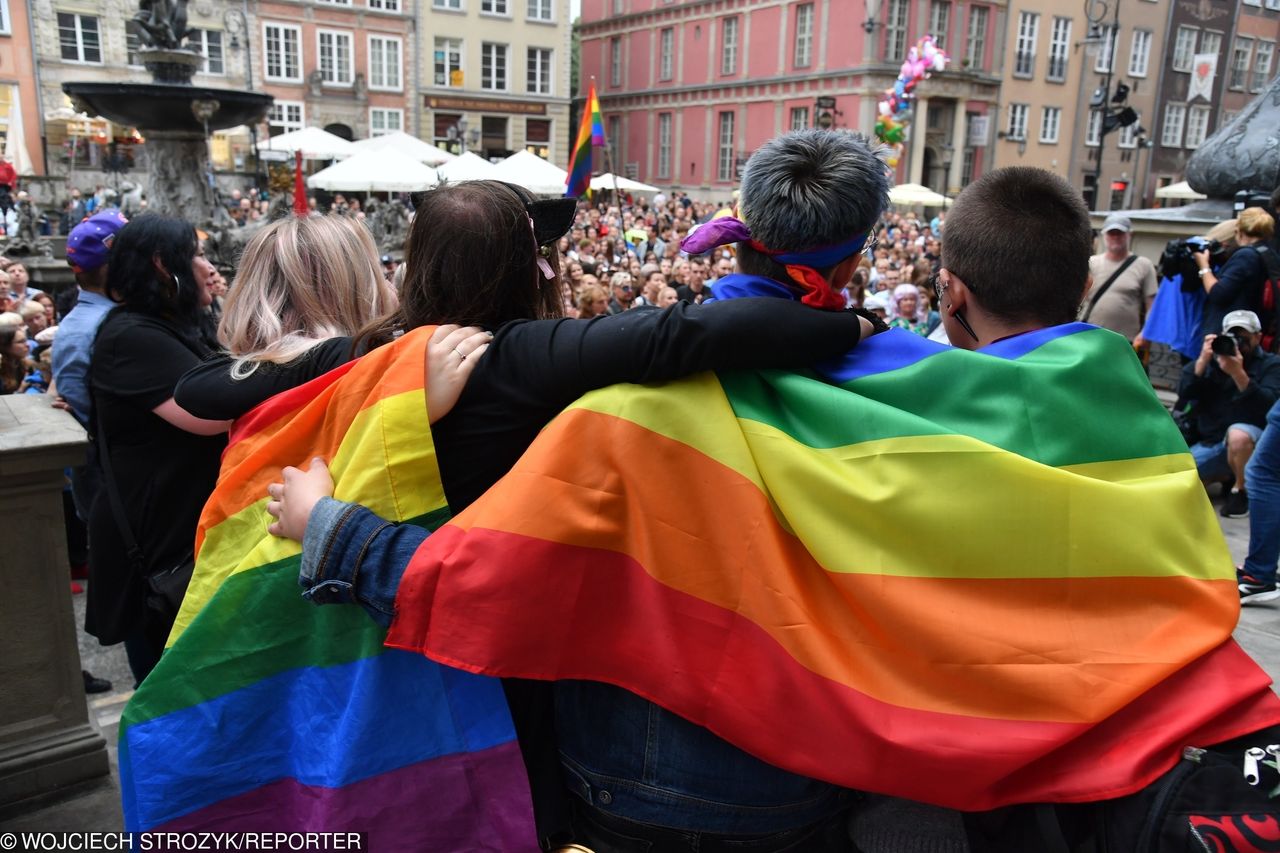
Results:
1097 294
136 558
1269 260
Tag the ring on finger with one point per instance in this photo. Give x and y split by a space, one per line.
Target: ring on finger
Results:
460 353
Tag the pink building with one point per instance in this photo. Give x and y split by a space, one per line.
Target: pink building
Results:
690 89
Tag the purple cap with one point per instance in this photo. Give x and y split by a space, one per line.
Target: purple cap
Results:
89 243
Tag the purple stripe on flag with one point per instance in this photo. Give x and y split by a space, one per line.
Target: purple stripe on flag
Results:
425 806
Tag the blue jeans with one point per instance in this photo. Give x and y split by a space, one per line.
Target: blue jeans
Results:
1211 459
1262 479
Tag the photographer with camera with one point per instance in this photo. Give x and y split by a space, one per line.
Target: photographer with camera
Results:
1231 386
1239 284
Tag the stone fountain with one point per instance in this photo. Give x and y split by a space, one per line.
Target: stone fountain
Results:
174 116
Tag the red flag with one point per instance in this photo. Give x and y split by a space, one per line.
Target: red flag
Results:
299 187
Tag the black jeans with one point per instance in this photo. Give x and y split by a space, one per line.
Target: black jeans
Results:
607 833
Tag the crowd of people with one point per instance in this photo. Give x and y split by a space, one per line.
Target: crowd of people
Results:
157 357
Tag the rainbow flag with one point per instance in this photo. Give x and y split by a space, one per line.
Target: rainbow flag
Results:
590 133
966 578
269 713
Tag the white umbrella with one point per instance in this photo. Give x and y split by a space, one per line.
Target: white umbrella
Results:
468 167
314 143
385 170
913 194
526 169
606 182
1181 190
15 146
423 152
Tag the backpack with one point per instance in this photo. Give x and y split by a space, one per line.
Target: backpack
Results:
1269 299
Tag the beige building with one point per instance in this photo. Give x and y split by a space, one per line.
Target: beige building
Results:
495 76
1055 69
86 40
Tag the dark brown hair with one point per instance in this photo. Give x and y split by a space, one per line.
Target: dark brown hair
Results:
1020 238
471 259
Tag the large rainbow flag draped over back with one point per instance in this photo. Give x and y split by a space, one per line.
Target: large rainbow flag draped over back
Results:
590 132
972 579
269 713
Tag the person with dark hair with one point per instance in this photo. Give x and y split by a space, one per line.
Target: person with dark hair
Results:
160 461
13 358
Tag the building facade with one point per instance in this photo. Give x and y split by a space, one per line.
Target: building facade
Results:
495 76
1241 37
19 93
342 65
689 90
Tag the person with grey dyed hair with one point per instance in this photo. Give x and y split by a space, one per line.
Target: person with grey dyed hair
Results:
810 201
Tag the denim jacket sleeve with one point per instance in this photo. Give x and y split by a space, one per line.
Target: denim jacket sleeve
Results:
352 556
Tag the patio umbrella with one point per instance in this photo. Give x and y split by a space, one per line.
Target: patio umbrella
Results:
606 182
385 170
1180 190
423 152
528 170
468 167
314 143
908 195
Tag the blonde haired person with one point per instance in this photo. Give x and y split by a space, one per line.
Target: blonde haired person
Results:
592 302
1238 284
305 285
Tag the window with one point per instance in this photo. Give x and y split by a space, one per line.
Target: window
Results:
538 71
1273 4
494 7
335 57
540 10
132 44
615 61
618 7
448 5
383 121
448 62
967 164
1050 124
1184 48
666 41
283 51
895 31
1017 121
725 160
1262 65
78 38
384 63
1059 49
1175 115
729 46
804 34
493 66
1106 58
799 118
1241 55
1128 136
336 2
1211 42
976 49
664 145
4 17
385 5
613 137
284 117
940 22
209 43
1140 53
1197 125
1024 64
537 136
1093 133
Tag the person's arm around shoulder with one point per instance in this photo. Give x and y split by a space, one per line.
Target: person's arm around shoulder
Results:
175 415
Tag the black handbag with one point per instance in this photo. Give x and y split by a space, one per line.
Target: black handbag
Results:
166 587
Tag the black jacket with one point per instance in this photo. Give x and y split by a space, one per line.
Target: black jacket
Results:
1217 403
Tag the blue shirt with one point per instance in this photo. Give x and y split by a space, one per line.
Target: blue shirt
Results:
72 349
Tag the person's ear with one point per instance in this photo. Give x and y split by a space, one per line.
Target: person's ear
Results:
955 294
159 266
842 274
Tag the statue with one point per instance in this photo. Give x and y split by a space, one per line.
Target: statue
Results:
161 24
27 241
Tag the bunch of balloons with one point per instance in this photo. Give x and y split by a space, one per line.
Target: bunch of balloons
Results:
924 59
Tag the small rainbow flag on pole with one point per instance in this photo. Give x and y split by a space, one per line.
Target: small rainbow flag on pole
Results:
269 713
920 571
590 133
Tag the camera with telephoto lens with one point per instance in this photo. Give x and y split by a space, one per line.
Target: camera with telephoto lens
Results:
1178 259
1225 345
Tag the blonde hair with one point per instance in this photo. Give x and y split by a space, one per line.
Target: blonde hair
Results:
11 318
30 309
1256 222
301 281
1224 232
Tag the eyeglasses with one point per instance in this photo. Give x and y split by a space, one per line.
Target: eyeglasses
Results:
869 248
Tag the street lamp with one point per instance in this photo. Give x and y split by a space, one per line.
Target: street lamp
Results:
948 154
1112 108
873 9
